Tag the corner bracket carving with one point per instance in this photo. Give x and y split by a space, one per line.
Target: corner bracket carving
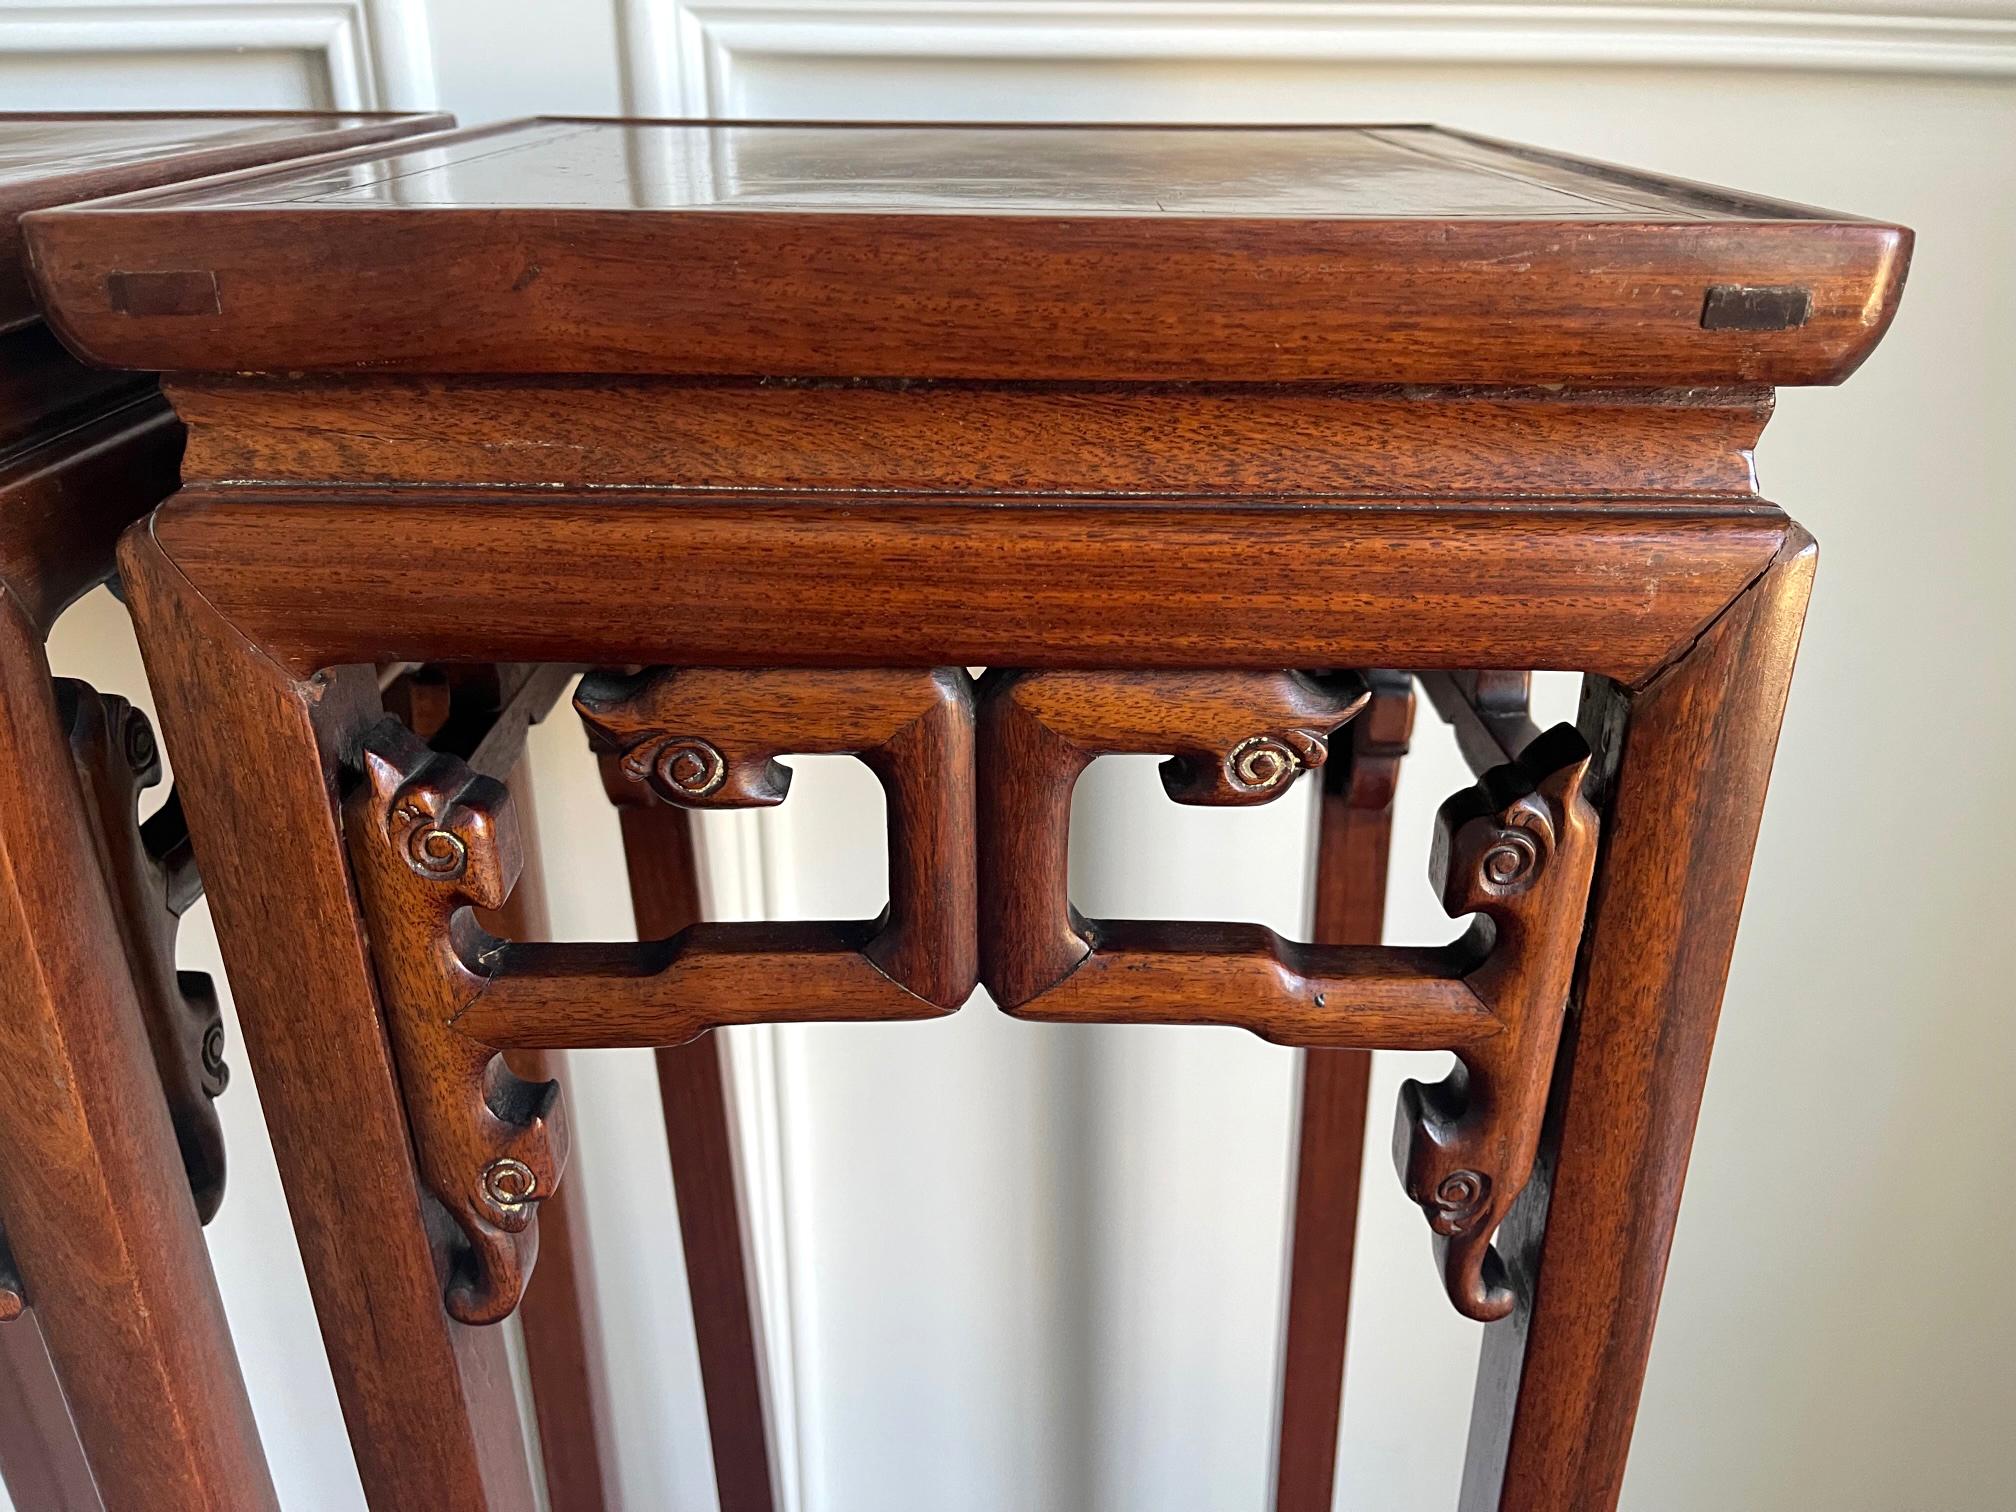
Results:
429 839
1518 850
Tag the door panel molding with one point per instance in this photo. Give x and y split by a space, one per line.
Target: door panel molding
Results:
681 57
372 54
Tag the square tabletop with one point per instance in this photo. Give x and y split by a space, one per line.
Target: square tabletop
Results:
54 159
1336 253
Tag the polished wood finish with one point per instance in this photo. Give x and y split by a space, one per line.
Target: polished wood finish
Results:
1682 769
60 157
561 1316
1516 851
117 1273
152 874
1354 822
428 1400
482 714
1188 440
96 1201
720 1281
429 839
1136 419
1375 254
710 737
1609 586
1237 739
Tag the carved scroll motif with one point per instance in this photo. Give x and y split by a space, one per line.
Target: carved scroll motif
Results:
428 840
710 738
1517 850
1232 738
151 874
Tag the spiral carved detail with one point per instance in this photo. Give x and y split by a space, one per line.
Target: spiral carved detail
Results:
1260 763
1514 857
684 763
1459 1198
436 853
510 1183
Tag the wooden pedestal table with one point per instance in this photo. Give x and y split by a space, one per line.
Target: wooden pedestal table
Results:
123 1331
1167 429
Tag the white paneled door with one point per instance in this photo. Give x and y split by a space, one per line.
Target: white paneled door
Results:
1018 1268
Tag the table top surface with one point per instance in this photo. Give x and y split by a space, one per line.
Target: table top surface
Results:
970 251
1323 172
57 158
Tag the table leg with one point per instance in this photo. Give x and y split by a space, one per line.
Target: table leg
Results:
259 752
1683 762
560 1315
665 897
97 1203
1354 822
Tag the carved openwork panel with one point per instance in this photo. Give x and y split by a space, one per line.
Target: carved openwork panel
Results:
151 874
707 737
433 841
1516 851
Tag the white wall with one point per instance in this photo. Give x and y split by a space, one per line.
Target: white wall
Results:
1036 1268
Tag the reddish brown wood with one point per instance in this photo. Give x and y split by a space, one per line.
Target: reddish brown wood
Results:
1187 440
1354 254
153 880
709 737
96 1201
1053 515
428 1401
1683 766
1610 587
60 157
1517 850
561 1315
41 1461
1354 821
429 839
720 1276
1238 739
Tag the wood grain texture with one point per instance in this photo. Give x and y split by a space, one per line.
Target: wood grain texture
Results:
1232 739
61 157
706 737
428 1402
1517 850
1354 826
561 1315
720 1261
545 241
1189 440
153 881
1613 589
97 1204
1684 767
428 839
